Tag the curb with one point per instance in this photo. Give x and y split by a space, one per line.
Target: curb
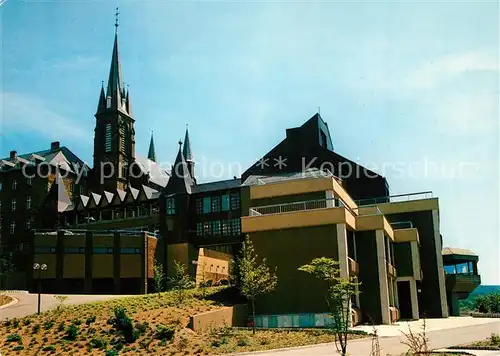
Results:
290 348
12 302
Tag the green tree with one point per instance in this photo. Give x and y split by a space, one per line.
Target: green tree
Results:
158 277
6 271
180 281
255 278
338 293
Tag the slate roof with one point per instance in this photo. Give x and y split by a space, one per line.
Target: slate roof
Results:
48 155
157 174
220 185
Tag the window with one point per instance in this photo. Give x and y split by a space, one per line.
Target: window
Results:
28 202
107 138
82 189
207 205
13 227
124 171
29 181
14 184
124 138
215 204
225 202
199 206
13 205
236 226
170 206
28 224
450 269
45 249
102 250
0 206
226 228
1 186
74 250
235 201
130 250
207 228
199 229
216 227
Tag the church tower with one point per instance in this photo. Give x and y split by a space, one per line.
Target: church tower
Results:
114 137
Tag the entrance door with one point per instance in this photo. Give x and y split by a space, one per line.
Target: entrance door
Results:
404 296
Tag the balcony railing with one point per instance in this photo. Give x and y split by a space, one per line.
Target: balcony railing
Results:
353 267
395 198
290 207
402 225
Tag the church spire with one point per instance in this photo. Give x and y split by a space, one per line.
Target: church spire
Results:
102 100
180 180
151 152
188 154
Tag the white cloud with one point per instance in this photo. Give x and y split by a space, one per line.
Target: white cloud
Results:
435 72
25 112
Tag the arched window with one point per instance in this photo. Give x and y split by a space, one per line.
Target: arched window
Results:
107 137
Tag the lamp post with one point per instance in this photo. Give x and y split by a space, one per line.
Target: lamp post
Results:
39 268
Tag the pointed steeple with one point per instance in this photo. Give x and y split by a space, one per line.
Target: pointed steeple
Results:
115 81
180 178
128 103
186 151
151 152
102 100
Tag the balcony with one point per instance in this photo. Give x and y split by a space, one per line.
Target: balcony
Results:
395 198
391 270
353 267
298 214
462 282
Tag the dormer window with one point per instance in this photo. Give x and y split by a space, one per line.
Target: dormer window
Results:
170 206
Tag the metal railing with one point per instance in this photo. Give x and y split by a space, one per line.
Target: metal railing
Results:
395 198
290 207
402 225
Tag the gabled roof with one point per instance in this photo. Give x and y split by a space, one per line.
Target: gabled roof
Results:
155 172
82 202
150 193
180 180
132 194
61 156
120 196
108 197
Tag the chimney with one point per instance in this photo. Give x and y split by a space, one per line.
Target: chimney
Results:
54 146
13 154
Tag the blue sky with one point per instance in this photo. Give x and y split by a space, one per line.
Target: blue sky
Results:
409 89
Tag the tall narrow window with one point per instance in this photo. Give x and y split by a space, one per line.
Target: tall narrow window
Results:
207 205
107 144
170 206
29 181
236 226
1 186
14 184
216 227
13 205
199 206
215 204
13 227
28 224
28 202
225 202
235 201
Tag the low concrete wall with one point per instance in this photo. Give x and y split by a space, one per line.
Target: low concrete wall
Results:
228 316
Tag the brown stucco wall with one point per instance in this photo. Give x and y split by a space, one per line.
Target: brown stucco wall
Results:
227 316
296 292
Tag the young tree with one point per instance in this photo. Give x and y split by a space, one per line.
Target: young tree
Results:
338 294
255 278
6 271
158 277
180 281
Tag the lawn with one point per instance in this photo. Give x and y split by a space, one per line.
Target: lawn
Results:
492 343
149 324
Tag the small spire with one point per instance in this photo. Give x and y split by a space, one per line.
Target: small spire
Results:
188 155
152 152
102 100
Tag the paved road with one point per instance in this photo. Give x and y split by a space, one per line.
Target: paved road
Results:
28 303
392 345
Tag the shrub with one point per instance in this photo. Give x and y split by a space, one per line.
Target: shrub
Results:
219 342
27 321
15 323
98 343
49 348
164 332
14 338
224 282
18 348
495 339
123 324
242 342
36 328
61 327
487 303
111 353
142 327
90 320
48 324
77 322
72 332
